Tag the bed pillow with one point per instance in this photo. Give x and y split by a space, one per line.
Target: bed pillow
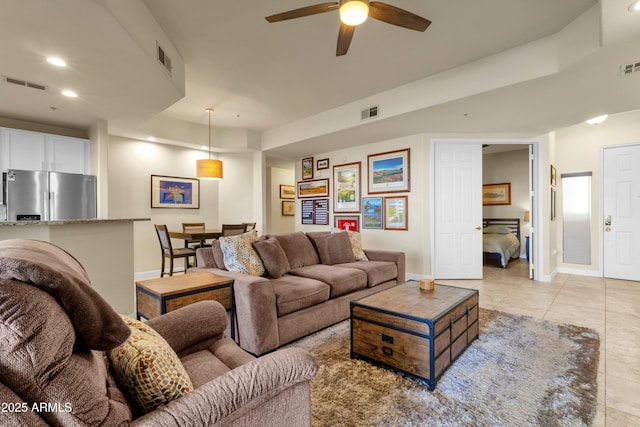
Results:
497 229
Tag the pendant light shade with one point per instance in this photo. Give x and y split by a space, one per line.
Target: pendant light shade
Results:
209 168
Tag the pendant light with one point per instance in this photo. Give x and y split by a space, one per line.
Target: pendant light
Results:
209 168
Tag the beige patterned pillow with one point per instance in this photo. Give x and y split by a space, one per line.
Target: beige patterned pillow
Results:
148 369
239 254
356 246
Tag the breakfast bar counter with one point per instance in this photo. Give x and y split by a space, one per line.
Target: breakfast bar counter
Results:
105 248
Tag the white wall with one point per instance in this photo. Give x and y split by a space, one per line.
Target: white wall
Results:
577 149
131 164
276 222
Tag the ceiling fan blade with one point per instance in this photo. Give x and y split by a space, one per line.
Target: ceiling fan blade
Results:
344 38
303 11
396 16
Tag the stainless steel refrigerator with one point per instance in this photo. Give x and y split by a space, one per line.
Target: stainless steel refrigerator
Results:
48 196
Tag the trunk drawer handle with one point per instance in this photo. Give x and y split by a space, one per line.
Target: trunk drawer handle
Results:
388 351
387 338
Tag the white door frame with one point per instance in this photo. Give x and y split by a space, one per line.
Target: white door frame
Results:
537 211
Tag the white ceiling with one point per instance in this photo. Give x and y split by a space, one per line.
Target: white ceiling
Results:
284 78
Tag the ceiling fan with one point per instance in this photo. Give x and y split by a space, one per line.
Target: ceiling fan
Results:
355 12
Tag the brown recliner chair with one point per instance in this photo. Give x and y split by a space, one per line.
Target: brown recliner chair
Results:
55 331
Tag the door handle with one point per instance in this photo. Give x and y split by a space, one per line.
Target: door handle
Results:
478 228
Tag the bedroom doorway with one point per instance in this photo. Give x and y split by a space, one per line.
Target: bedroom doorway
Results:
524 209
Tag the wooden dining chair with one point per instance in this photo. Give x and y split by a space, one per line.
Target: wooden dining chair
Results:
194 227
232 229
168 252
249 226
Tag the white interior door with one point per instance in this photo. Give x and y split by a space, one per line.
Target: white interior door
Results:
621 215
458 211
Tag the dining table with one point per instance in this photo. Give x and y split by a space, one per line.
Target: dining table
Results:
208 233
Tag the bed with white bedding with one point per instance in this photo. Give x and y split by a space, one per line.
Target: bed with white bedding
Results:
501 239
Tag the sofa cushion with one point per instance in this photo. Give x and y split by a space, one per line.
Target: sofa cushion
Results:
377 271
299 249
148 369
272 256
334 248
356 246
294 293
342 280
239 254
218 256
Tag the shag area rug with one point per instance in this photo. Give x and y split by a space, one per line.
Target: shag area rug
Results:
521 371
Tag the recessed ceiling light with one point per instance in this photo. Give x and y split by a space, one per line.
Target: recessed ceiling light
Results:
70 93
597 120
152 139
635 6
56 61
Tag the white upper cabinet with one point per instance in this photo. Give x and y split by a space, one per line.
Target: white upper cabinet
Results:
21 149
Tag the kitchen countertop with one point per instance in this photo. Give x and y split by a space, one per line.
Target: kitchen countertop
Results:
72 221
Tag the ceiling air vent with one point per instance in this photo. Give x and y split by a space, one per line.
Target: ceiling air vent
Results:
24 83
369 113
626 69
164 59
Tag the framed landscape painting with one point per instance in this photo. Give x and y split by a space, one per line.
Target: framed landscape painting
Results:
346 187
287 191
288 207
313 188
372 212
496 194
307 168
389 172
175 192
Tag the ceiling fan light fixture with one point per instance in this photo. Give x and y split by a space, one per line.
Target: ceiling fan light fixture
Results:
354 12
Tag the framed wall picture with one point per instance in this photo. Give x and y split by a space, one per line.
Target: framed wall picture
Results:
553 203
496 194
346 188
389 172
287 191
313 188
347 222
175 192
372 212
322 164
315 211
307 168
395 213
288 208
553 176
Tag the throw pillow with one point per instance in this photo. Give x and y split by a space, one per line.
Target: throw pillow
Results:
356 246
239 255
272 256
148 369
218 256
334 248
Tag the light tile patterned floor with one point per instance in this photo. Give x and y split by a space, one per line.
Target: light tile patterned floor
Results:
612 307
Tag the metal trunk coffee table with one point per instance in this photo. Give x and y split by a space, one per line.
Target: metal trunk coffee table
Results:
416 331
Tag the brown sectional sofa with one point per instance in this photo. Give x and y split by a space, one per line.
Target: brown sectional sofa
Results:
307 289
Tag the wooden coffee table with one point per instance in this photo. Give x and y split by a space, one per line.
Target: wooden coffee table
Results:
416 331
159 296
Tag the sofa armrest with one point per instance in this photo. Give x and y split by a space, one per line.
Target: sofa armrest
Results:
21 414
394 256
204 258
192 324
256 314
237 389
